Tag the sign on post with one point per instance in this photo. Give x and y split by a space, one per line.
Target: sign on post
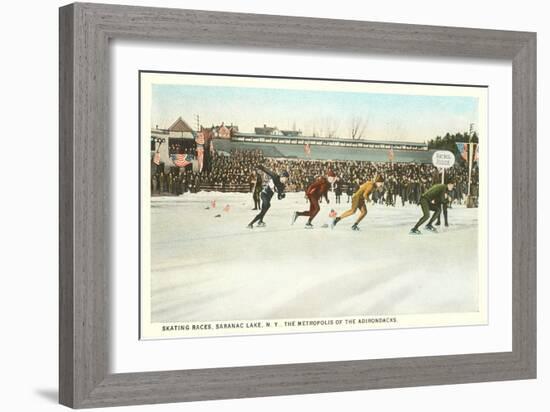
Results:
443 159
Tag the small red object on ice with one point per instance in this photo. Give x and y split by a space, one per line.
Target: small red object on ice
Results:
226 208
213 204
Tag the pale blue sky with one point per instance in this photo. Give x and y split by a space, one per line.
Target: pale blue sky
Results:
384 116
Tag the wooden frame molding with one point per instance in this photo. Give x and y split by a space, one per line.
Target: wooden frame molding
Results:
85 31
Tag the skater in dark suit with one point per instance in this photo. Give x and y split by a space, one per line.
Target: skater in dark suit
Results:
256 190
276 184
434 199
337 186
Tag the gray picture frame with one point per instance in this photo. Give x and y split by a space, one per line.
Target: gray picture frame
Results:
84 251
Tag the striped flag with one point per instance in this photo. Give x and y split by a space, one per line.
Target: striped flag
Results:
156 158
463 150
200 156
200 138
181 159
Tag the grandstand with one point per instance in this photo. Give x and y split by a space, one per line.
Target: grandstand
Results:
316 148
289 144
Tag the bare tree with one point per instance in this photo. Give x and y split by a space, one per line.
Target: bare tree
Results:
331 127
358 126
320 131
314 129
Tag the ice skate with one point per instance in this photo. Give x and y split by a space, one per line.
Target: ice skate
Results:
249 226
431 228
415 232
294 217
355 227
308 226
261 224
336 220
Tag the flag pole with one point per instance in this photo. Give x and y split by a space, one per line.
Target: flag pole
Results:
470 158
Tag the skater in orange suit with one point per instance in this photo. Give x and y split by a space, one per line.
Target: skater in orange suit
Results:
358 201
319 188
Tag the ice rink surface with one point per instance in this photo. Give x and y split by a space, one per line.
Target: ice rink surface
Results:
208 268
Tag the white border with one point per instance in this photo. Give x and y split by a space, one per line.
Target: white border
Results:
150 330
131 355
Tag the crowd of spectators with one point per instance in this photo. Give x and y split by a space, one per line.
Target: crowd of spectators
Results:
404 182
176 148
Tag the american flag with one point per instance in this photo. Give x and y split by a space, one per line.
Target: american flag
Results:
181 159
307 149
156 158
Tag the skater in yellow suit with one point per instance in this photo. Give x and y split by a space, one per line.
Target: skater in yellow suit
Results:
358 201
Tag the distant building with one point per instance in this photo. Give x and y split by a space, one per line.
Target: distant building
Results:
224 132
178 138
180 129
267 131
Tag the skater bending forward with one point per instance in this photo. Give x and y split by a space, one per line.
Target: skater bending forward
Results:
276 183
434 199
358 201
314 193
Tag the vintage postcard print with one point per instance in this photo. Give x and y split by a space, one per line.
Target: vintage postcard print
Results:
285 205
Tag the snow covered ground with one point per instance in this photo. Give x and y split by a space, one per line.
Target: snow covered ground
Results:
207 268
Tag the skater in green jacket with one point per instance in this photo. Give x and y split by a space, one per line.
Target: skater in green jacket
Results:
434 199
